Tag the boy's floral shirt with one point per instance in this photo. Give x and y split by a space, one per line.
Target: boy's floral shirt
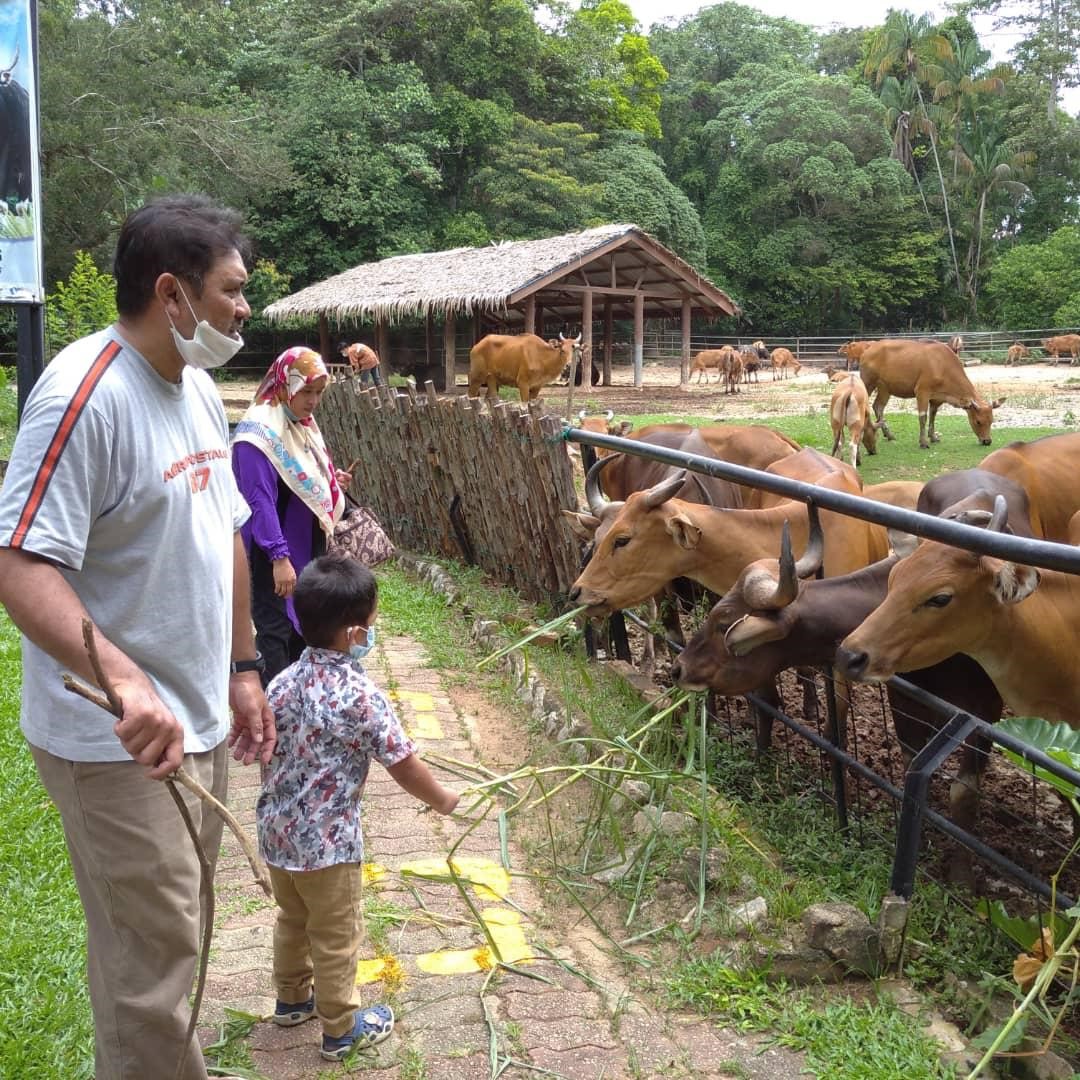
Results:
331 721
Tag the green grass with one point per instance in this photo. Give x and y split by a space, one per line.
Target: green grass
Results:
901 459
843 1039
45 1028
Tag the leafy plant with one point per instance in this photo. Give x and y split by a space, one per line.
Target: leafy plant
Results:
83 304
17 223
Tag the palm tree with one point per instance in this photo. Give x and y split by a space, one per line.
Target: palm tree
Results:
913 47
902 121
992 167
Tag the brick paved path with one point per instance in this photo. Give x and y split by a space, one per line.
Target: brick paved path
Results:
565 1025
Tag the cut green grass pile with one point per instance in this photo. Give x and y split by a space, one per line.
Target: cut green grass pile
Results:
45 1026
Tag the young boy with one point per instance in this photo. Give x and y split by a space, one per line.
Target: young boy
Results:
332 720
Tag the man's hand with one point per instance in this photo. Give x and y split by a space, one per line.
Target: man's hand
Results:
147 730
344 478
253 734
284 577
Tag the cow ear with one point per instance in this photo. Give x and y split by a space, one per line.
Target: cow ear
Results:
584 525
1012 582
902 543
685 533
751 631
1000 401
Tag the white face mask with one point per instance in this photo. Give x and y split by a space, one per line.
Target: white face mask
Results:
208 348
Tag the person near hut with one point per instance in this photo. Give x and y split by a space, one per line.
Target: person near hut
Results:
364 361
119 509
296 496
332 721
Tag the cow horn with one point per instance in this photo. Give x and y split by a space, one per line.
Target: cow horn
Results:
762 593
814 555
581 415
659 494
999 520
609 415
577 340
561 338
596 499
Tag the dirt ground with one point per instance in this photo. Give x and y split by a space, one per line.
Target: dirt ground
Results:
1038 394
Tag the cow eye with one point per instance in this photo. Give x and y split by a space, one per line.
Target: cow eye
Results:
941 599
621 541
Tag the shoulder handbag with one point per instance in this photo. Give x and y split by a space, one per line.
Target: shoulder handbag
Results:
360 536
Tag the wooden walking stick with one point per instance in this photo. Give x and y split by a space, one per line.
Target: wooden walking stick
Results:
108 699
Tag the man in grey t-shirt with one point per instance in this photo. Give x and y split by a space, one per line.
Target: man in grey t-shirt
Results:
119 505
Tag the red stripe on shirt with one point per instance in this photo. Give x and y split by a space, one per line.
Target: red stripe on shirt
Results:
47 469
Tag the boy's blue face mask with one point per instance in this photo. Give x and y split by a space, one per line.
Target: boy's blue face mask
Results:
359 651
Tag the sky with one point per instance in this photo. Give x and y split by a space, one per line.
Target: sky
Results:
826 13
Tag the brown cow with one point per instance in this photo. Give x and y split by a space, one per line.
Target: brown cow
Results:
931 373
655 538
604 425
903 493
852 352
522 360
1017 351
1019 623
850 408
956 343
710 360
1061 345
733 369
1048 469
783 360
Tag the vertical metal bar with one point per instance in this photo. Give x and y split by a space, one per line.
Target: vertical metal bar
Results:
838 737
30 350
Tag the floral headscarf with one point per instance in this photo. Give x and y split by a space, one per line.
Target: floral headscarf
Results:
294 447
294 369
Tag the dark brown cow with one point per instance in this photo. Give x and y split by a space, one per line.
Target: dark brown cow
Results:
931 373
523 360
770 620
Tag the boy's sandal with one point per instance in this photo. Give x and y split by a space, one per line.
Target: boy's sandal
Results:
373 1025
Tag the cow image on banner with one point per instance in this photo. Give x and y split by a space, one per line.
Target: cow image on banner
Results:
20 181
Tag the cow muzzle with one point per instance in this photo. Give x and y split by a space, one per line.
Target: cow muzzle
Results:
855 663
596 604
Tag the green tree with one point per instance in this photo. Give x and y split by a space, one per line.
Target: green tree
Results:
911 48
82 305
633 188
992 170
1029 283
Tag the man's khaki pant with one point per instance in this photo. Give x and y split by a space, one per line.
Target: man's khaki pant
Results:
138 878
317 939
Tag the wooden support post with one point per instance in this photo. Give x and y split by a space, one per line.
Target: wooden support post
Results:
325 348
684 362
449 354
382 347
586 343
429 334
530 314
609 331
539 331
639 337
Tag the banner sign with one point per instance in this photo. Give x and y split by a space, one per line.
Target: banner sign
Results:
20 179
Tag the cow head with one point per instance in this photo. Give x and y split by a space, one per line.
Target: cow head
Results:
643 545
981 416
726 652
6 74
941 600
570 348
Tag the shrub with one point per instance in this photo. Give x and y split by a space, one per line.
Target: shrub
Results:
83 304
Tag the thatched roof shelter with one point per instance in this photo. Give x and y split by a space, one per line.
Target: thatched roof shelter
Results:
613 260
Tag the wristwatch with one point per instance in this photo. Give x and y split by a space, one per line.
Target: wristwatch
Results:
236 667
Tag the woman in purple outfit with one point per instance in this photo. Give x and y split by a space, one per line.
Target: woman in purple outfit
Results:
284 471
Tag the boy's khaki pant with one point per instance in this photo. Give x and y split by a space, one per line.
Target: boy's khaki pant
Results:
138 878
317 939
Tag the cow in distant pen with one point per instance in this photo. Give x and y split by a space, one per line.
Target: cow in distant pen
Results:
523 360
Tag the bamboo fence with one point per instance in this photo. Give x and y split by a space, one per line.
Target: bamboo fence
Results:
447 476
